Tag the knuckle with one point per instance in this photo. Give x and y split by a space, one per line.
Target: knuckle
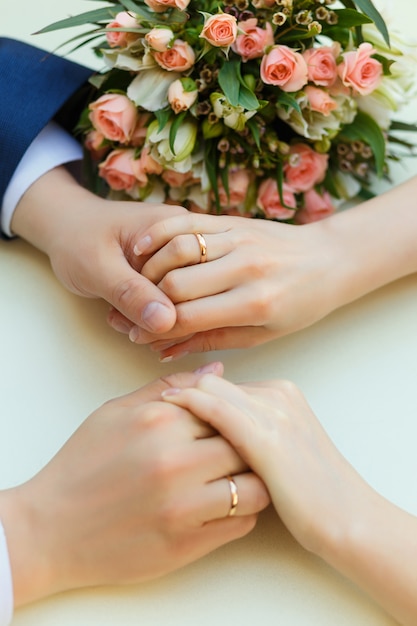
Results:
171 286
121 294
262 305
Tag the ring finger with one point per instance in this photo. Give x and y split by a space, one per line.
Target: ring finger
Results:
185 250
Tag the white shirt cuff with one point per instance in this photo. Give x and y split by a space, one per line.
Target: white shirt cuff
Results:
52 147
6 584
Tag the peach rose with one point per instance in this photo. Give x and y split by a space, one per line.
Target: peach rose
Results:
238 188
117 170
114 115
360 71
284 68
121 39
319 100
253 41
321 64
178 179
269 202
305 167
316 207
159 39
220 30
94 144
159 6
139 134
179 98
178 58
145 165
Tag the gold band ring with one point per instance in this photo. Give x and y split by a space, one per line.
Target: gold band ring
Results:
234 496
203 247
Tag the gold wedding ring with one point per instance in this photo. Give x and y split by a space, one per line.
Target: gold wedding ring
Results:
203 247
234 496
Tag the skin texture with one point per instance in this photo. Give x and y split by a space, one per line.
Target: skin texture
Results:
89 242
263 280
330 510
138 490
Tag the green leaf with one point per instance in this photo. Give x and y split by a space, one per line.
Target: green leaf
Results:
285 100
235 88
348 18
98 15
364 128
367 7
254 129
229 82
396 125
178 119
163 116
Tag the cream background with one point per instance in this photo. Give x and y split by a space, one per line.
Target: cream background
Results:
358 368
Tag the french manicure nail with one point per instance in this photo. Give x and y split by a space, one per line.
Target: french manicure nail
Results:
171 391
142 245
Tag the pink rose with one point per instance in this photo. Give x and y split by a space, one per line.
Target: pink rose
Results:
360 71
178 179
220 30
159 39
321 64
141 129
114 115
178 58
305 167
252 43
284 68
121 39
238 188
316 207
159 6
319 100
94 144
269 202
145 165
179 98
117 170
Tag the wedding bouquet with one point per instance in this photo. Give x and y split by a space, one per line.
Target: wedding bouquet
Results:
277 109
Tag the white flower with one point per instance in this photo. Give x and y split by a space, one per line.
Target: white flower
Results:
233 116
179 158
314 125
149 89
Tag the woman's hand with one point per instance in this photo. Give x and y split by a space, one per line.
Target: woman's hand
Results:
320 497
265 279
89 242
139 490
261 280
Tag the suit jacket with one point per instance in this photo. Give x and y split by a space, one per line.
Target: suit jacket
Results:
34 86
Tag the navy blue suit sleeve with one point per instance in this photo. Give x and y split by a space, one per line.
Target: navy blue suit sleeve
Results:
34 85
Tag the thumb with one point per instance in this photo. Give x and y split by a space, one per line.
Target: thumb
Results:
137 298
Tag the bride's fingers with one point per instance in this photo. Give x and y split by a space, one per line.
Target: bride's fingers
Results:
217 339
160 233
185 250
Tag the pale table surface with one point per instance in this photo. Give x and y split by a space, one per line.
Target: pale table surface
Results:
358 369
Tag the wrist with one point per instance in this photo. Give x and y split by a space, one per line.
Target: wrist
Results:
47 210
31 570
376 242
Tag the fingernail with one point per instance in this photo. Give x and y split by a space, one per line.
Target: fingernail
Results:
142 245
171 391
134 333
121 327
156 316
173 357
208 368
